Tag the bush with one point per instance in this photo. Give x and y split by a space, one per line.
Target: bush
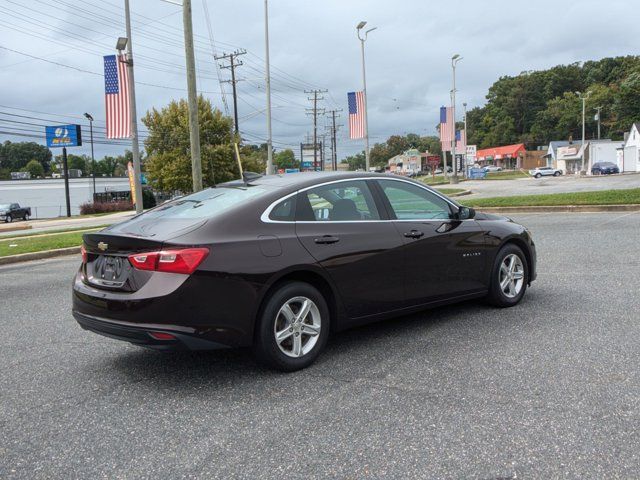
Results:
104 207
148 199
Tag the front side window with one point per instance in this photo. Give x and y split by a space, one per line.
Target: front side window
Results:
410 202
338 202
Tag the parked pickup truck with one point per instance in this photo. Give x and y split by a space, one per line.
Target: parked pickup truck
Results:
11 211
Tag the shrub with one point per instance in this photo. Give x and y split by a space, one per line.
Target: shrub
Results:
104 207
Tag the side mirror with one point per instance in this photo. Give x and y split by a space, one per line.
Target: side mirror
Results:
466 213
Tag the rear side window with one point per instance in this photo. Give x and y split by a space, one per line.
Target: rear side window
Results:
205 204
337 202
285 211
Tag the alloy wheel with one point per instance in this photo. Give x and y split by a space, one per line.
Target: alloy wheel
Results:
297 326
511 275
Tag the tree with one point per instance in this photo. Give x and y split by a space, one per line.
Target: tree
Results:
286 159
356 162
34 168
15 156
169 163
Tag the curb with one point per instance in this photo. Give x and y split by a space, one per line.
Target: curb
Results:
14 228
460 194
562 209
25 257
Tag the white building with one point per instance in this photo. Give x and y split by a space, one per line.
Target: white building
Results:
567 156
631 155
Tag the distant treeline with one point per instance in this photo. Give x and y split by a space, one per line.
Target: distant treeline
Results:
537 107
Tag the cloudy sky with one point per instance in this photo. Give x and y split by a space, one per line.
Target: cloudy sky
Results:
313 45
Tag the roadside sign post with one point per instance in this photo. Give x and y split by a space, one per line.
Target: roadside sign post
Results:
64 136
65 168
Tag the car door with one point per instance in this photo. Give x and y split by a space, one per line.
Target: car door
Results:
443 256
343 226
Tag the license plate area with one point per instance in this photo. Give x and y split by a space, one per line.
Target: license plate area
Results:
109 271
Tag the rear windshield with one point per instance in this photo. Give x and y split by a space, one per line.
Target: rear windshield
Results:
205 204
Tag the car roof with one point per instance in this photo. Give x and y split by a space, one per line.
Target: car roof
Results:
304 179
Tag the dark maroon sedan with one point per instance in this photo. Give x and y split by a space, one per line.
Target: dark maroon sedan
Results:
278 262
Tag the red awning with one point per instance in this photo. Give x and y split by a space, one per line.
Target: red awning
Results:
508 151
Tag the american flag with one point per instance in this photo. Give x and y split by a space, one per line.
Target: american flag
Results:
461 142
446 128
356 114
116 95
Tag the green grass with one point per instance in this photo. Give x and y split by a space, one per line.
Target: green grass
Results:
604 197
506 175
450 191
40 243
438 180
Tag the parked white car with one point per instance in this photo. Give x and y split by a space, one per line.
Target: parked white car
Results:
492 168
545 171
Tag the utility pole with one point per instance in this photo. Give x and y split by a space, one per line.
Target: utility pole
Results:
314 111
334 145
232 57
466 137
192 95
268 82
232 66
584 106
135 149
598 109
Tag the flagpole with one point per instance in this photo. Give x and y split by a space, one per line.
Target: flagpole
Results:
135 149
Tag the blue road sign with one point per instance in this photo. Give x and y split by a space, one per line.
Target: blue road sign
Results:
477 173
63 136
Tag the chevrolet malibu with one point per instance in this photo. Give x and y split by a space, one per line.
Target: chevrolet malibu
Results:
279 262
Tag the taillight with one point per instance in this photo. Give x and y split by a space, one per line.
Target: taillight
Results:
184 260
83 252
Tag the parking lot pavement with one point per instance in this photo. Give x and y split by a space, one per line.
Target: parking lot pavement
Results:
548 389
544 185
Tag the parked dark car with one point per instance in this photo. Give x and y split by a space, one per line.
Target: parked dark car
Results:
604 168
13 211
279 261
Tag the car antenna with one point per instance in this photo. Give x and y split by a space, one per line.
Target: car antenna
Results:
250 176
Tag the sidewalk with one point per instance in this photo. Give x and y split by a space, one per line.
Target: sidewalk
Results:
63 223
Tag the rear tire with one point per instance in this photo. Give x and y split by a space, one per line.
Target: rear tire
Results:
292 328
556 174
509 277
8 219
26 217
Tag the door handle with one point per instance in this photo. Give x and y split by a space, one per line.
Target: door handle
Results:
414 234
326 239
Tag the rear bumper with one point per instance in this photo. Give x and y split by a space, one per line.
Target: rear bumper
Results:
142 335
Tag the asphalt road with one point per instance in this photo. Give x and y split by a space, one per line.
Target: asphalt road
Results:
548 389
545 185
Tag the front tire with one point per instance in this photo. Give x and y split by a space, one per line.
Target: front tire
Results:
509 277
537 175
293 327
8 219
556 174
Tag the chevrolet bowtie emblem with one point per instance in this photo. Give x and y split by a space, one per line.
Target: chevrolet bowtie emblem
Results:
103 246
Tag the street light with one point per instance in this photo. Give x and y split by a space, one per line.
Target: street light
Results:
584 104
362 39
93 160
454 61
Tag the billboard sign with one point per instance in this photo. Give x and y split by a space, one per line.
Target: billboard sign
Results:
63 136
